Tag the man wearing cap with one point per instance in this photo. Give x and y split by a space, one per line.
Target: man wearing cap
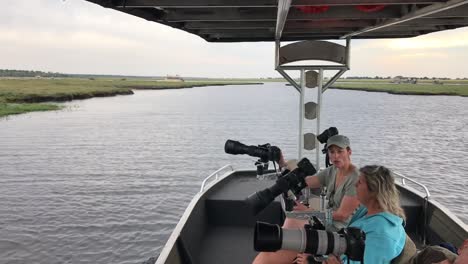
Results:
340 180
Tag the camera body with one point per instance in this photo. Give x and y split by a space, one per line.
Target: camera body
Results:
326 134
323 138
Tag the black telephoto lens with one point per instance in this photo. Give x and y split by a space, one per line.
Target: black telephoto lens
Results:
261 199
235 147
294 181
264 152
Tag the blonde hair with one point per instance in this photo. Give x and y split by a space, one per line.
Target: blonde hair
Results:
380 181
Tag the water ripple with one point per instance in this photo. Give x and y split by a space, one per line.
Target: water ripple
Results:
107 180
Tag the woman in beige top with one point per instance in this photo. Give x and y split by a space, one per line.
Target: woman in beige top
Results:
340 180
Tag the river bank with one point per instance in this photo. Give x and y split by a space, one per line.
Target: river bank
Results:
405 89
22 95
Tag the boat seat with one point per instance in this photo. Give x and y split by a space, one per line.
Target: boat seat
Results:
239 214
227 205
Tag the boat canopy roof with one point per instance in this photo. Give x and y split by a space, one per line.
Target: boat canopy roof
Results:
294 20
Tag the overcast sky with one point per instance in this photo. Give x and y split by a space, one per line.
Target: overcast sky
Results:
75 36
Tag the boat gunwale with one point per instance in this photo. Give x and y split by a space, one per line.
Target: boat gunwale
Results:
171 241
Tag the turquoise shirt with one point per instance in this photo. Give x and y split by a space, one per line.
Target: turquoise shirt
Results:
385 236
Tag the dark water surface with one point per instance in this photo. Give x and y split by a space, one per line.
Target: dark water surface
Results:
106 180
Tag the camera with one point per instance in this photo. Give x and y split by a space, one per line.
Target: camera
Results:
326 134
349 241
264 152
289 180
323 138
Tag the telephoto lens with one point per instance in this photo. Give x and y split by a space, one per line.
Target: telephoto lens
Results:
265 152
270 238
294 180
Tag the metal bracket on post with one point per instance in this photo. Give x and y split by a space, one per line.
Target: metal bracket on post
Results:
301 115
319 110
311 50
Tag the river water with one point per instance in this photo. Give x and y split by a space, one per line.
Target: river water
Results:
106 179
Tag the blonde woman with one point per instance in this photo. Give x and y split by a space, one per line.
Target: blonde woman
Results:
380 216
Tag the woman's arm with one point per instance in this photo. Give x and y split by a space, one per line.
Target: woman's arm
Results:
313 181
347 207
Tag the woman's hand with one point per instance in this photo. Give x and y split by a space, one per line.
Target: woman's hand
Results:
282 162
332 259
301 258
300 207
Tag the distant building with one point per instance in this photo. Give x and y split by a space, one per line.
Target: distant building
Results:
400 79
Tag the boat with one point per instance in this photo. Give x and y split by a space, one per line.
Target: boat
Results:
217 226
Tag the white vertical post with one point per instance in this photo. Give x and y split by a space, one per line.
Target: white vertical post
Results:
277 48
301 115
319 108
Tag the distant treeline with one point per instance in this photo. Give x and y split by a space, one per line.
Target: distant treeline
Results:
22 73
42 74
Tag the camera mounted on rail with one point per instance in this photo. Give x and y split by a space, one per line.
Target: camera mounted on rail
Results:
289 183
323 138
265 153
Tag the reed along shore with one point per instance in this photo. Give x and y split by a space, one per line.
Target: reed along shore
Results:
21 95
421 88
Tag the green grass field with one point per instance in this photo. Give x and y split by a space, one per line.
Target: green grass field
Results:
420 81
23 95
415 89
13 109
44 90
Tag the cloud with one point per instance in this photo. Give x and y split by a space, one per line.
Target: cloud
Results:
76 36
438 40
71 40
441 40
424 55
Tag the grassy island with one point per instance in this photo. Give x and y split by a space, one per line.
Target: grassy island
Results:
451 87
21 95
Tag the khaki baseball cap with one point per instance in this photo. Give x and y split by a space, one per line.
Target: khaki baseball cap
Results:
338 140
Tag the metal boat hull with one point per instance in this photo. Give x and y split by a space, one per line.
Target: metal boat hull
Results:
217 226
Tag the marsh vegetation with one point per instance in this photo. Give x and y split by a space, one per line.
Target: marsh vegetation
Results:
21 95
